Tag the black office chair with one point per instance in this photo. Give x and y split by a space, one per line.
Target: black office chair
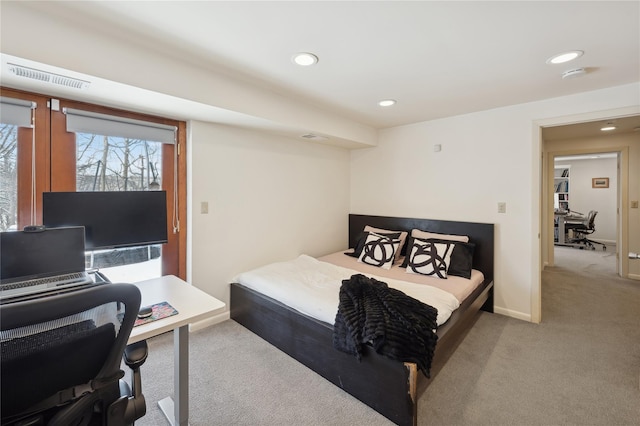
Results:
61 358
585 228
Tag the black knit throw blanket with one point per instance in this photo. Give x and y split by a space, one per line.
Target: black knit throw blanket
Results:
397 326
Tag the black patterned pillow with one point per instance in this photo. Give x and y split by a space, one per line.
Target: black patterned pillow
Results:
430 258
362 239
379 251
461 262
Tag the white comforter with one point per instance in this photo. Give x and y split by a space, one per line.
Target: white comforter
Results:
312 287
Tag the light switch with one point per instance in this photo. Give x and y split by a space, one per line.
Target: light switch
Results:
634 204
204 207
502 207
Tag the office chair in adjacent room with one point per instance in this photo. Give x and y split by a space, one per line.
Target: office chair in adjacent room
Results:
61 358
585 228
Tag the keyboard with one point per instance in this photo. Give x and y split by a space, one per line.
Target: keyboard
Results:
22 290
77 277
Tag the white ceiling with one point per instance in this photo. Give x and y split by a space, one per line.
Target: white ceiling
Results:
436 59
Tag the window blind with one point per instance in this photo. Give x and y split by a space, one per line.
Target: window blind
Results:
110 125
16 112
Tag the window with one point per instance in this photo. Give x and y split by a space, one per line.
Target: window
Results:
23 171
8 177
83 147
114 153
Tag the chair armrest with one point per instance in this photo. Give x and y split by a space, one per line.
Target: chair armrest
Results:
135 354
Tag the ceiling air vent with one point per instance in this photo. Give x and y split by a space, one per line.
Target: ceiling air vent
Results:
313 137
574 73
48 77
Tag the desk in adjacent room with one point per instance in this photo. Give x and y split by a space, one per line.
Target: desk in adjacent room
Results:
561 220
192 305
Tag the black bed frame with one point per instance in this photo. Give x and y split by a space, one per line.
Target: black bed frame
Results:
390 387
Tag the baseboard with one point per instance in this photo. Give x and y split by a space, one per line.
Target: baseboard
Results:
634 277
512 314
606 242
210 321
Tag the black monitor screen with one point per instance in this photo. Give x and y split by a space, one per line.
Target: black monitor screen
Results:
29 255
111 219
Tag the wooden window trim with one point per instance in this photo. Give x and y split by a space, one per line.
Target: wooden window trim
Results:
53 172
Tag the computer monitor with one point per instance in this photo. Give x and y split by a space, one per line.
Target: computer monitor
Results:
112 219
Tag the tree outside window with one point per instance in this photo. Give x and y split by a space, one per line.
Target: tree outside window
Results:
8 177
107 163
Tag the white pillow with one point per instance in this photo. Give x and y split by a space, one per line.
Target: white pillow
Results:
424 235
430 258
403 236
379 251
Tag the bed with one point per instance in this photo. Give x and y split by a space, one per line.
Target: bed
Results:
390 387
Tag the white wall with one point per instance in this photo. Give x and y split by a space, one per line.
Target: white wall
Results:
583 197
487 157
270 199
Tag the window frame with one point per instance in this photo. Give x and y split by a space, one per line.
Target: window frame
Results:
55 160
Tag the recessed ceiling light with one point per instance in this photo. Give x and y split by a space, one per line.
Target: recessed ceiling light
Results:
305 59
561 58
387 102
608 127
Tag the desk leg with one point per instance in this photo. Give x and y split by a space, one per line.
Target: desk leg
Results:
177 411
181 374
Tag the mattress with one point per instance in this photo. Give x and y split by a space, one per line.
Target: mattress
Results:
312 286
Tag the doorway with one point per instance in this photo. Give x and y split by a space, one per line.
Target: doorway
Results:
579 135
586 210
572 140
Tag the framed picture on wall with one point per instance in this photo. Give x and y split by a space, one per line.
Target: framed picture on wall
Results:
600 182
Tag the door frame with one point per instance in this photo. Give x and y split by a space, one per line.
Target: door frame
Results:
541 197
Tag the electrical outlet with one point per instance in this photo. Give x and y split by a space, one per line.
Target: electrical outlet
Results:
502 207
204 207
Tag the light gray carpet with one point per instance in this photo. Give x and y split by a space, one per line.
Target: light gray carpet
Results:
580 366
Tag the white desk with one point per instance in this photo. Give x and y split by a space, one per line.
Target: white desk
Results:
562 219
192 305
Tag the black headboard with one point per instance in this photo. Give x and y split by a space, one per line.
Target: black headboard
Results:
481 234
